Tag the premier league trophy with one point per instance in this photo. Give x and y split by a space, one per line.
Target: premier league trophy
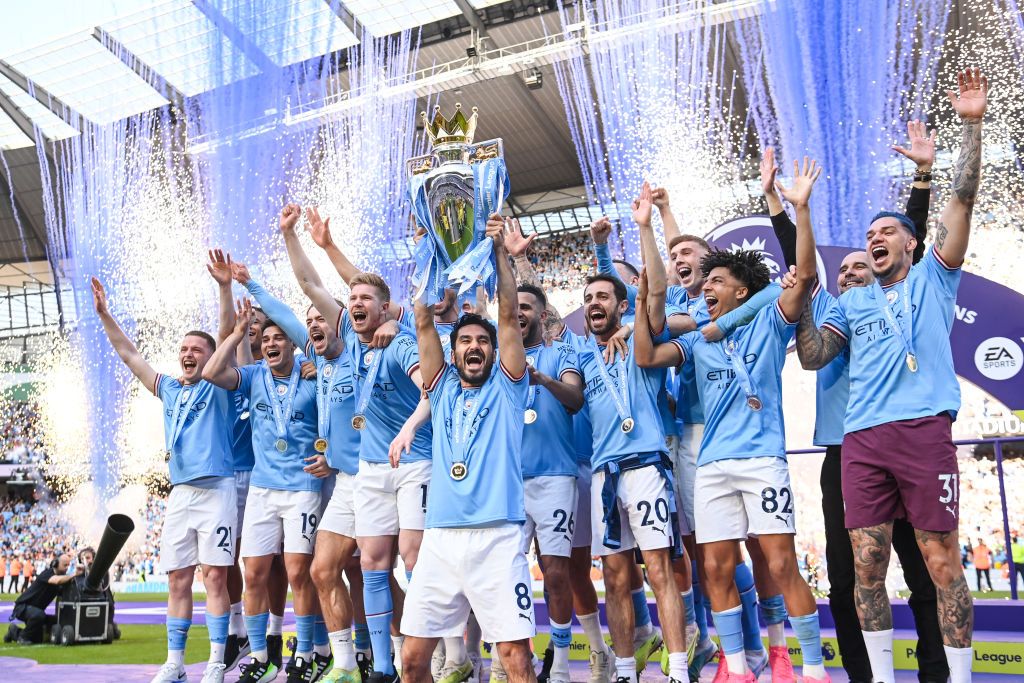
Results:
454 189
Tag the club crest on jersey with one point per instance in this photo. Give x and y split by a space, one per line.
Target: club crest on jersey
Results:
892 295
328 370
281 390
368 357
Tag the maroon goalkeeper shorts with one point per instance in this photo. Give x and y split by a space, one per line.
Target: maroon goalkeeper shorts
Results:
902 469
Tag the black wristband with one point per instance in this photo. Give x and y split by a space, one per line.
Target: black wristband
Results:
922 176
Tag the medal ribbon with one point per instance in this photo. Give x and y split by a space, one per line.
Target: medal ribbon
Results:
178 416
282 408
323 396
905 333
619 391
366 387
462 424
740 368
531 395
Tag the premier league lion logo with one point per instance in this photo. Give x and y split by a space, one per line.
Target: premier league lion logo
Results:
755 233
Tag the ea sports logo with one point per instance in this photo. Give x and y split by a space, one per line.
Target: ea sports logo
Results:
998 358
755 233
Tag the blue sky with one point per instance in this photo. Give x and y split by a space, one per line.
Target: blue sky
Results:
28 23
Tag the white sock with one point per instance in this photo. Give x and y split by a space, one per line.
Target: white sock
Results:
625 667
396 648
177 657
592 629
879 645
306 656
454 651
813 670
260 655
959 660
643 632
274 624
236 623
560 656
777 635
737 662
323 650
677 666
473 636
216 652
342 648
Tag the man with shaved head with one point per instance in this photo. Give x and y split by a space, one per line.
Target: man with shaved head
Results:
904 396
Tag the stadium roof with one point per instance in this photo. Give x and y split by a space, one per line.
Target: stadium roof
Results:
160 55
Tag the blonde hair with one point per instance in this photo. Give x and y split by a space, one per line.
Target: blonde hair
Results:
373 280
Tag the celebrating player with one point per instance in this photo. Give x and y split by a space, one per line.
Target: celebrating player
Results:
200 515
471 555
904 396
284 499
742 484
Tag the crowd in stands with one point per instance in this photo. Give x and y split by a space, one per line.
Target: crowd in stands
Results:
32 532
20 440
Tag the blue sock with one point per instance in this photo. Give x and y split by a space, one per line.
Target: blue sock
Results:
748 599
708 612
320 632
362 637
729 625
773 609
377 600
641 612
218 627
256 625
808 632
698 601
304 625
691 613
177 633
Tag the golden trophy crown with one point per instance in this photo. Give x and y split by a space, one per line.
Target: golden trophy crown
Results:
456 130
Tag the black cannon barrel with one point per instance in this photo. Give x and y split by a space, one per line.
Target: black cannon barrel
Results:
119 528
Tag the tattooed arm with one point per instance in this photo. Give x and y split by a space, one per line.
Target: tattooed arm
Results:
816 347
955 223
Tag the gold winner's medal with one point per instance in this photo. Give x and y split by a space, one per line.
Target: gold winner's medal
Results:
912 362
320 445
358 422
530 416
281 445
627 425
458 471
754 403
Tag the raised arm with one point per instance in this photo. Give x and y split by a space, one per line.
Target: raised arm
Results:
955 223
432 360
305 273
120 341
510 338
219 268
922 153
645 351
657 284
815 347
320 230
517 244
220 369
599 232
792 300
274 308
659 197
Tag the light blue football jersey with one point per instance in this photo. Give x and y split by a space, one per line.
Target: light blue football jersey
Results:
393 398
241 434
882 387
198 420
832 391
611 443
273 469
731 428
335 385
548 443
491 421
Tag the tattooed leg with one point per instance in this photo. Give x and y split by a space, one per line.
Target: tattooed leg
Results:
871 549
956 609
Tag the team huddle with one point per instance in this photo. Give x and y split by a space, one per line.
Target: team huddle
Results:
320 451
